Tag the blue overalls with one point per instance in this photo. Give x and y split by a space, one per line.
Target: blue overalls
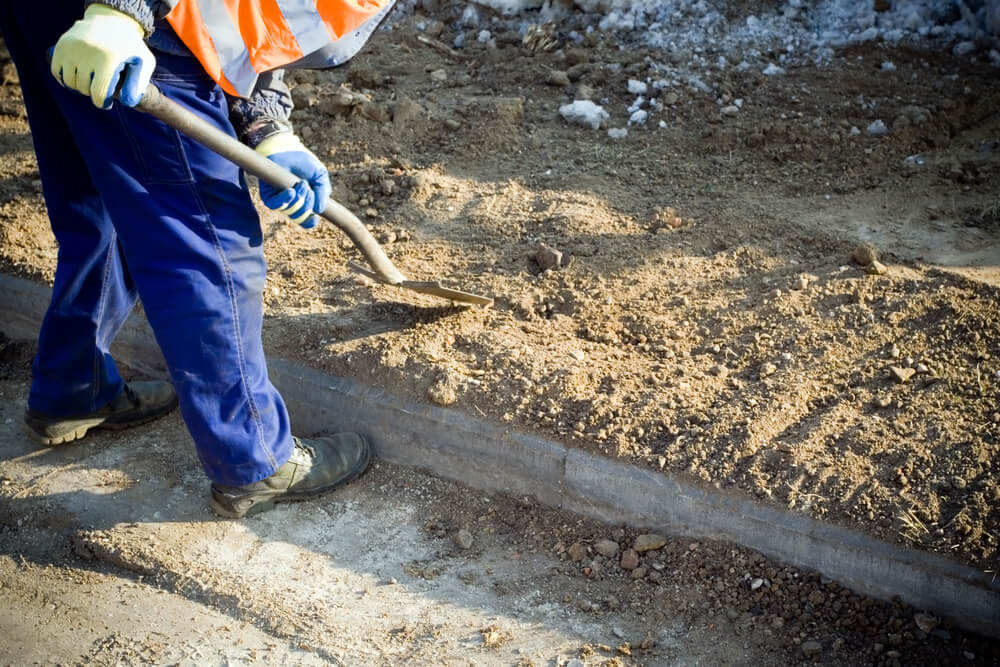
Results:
138 209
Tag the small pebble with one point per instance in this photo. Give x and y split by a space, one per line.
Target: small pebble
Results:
463 539
548 257
577 551
630 560
878 128
864 254
558 78
649 542
877 268
607 548
901 375
811 649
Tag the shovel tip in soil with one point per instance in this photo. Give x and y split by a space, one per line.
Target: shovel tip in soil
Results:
431 287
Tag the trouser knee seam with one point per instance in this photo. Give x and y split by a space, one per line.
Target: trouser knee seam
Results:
103 302
234 311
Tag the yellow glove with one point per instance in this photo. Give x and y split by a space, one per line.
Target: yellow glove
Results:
104 48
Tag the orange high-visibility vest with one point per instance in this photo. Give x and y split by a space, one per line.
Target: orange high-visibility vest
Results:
236 40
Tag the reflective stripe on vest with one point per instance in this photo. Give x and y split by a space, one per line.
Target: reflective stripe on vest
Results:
235 40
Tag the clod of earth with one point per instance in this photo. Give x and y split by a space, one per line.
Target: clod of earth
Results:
864 254
877 268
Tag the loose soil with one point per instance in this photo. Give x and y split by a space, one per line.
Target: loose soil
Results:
709 317
110 555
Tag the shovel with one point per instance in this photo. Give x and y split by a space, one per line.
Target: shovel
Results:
155 104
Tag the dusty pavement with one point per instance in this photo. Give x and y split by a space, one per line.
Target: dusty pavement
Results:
709 316
109 555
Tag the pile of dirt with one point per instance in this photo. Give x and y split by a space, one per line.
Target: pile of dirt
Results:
699 308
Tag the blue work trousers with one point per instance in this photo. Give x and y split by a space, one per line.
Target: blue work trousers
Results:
139 210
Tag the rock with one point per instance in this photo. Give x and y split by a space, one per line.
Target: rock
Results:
800 283
922 369
439 75
558 78
443 391
816 598
434 27
304 96
894 351
730 111
878 128
877 268
463 539
925 622
548 257
405 111
630 559
577 551
585 113
607 548
810 649
864 254
901 375
768 369
578 355
639 573
365 77
577 56
756 583
649 542
387 237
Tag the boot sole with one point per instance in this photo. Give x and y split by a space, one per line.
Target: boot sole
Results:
78 431
269 503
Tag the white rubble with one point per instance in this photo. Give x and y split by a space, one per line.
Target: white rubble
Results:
585 113
878 129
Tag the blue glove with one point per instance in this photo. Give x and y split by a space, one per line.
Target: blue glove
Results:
309 196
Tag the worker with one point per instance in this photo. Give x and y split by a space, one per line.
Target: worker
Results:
141 211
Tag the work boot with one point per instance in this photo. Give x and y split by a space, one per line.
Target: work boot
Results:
315 467
138 403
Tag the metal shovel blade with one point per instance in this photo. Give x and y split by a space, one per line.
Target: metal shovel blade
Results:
427 287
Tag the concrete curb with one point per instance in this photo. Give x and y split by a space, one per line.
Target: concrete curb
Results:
491 457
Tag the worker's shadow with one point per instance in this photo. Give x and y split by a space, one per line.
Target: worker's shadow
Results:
360 321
